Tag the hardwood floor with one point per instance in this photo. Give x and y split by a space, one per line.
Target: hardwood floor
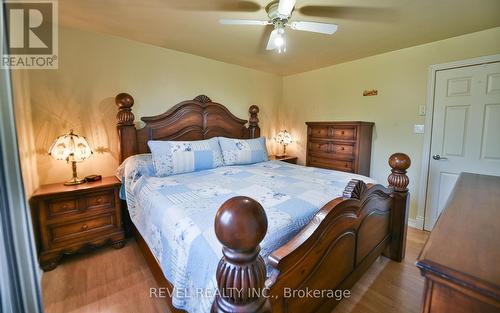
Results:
106 280
389 287
109 280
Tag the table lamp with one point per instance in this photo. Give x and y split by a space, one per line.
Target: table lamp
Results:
72 148
284 138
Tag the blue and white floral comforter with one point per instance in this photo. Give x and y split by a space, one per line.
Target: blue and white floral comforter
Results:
175 214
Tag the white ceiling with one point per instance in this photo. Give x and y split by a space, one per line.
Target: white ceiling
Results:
366 27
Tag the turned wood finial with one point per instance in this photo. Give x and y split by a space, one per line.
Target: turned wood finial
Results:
398 179
124 101
253 122
240 225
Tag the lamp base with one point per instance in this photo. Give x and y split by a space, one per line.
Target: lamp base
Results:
74 181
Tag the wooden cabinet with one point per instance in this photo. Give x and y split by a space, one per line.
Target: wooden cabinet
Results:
68 219
461 259
342 146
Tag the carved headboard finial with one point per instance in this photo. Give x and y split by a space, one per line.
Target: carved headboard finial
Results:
355 189
253 121
203 99
398 179
253 110
124 101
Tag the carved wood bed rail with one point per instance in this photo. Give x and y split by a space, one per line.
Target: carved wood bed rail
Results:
330 253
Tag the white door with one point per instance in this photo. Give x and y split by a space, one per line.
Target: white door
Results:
465 130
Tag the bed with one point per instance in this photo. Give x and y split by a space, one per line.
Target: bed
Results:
262 230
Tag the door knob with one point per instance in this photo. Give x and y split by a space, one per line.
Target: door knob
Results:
438 157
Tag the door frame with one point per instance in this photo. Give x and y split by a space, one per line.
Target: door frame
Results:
421 221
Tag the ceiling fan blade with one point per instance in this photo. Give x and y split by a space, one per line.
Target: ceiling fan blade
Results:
214 5
316 27
243 22
264 38
271 43
285 7
349 12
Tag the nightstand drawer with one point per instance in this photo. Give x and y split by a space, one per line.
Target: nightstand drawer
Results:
73 207
62 206
81 228
99 201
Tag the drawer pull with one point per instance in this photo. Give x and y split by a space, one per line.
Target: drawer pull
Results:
342 132
98 200
342 148
84 227
65 206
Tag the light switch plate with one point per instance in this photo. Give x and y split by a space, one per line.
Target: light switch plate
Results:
421 109
418 128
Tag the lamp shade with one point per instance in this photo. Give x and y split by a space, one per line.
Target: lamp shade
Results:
284 137
70 147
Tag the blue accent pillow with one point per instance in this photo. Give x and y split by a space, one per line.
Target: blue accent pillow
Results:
176 157
243 151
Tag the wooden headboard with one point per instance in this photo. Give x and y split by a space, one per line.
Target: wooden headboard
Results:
195 119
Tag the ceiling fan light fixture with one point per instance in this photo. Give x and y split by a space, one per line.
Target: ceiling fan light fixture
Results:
279 41
278 37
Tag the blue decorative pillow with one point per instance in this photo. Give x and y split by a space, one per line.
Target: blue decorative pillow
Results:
176 157
243 151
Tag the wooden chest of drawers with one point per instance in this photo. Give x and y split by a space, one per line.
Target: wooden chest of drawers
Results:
342 146
461 259
68 219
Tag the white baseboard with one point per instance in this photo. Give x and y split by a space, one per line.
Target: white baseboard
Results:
417 222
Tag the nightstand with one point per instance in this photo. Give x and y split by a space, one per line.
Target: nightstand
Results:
69 219
287 158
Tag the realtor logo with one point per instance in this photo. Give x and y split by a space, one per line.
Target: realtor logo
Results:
32 37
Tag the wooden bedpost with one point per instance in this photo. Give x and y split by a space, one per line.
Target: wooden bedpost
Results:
240 225
253 124
126 128
398 183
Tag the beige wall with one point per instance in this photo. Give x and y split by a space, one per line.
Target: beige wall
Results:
335 93
24 127
93 68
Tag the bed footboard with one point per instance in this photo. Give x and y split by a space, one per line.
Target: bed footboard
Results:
327 257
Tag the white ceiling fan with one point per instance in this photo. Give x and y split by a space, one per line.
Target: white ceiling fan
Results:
280 12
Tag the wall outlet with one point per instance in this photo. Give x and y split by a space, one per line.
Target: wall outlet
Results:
418 128
421 109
